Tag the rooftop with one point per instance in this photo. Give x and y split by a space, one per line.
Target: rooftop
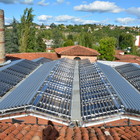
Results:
100 96
41 132
76 50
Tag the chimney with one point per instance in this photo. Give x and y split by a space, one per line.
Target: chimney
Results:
2 39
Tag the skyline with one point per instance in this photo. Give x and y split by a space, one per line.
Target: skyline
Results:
66 12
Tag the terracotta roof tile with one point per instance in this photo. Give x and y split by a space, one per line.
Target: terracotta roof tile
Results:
59 132
36 138
27 136
2 136
133 138
76 50
137 137
31 56
124 137
118 52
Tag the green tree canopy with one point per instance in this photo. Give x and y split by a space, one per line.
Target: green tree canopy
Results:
126 40
68 43
27 36
11 38
107 48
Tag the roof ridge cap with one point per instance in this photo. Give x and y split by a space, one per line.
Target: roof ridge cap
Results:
67 48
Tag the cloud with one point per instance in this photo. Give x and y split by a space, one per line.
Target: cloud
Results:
8 21
125 21
73 20
44 18
134 11
8 1
64 18
42 3
30 2
59 1
100 7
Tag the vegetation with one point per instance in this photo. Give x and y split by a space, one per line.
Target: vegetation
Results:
126 40
25 37
11 38
107 48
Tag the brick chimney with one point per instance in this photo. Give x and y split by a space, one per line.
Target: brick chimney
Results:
2 39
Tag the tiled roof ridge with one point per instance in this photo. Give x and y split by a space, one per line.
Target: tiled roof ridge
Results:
67 48
58 50
63 50
30 53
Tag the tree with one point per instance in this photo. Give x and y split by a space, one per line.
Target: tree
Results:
107 48
57 38
11 38
40 47
85 39
27 36
126 40
53 26
68 43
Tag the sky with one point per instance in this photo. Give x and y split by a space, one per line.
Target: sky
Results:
114 12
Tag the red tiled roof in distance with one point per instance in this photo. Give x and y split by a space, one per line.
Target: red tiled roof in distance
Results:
126 57
31 56
76 50
119 52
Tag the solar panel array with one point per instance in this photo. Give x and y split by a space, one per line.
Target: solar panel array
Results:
49 89
12 75
129 96
98 98
54 96
131 73
42 60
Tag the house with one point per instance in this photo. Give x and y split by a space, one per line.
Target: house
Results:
77 52
121 57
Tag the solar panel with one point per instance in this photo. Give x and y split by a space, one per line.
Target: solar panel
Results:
129 96
42 60
131 73
98 98
54 96
13 74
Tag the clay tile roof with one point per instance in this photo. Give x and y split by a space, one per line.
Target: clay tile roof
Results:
126 57
9 131
31 56
76 50
119 52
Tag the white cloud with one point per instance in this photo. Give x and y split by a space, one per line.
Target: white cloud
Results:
134 11
64 18
8 21
44 18
59 1
125 21
42 3
30 2
8 1
99 6
73 20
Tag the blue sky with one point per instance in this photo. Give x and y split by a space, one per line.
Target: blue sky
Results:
117 12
